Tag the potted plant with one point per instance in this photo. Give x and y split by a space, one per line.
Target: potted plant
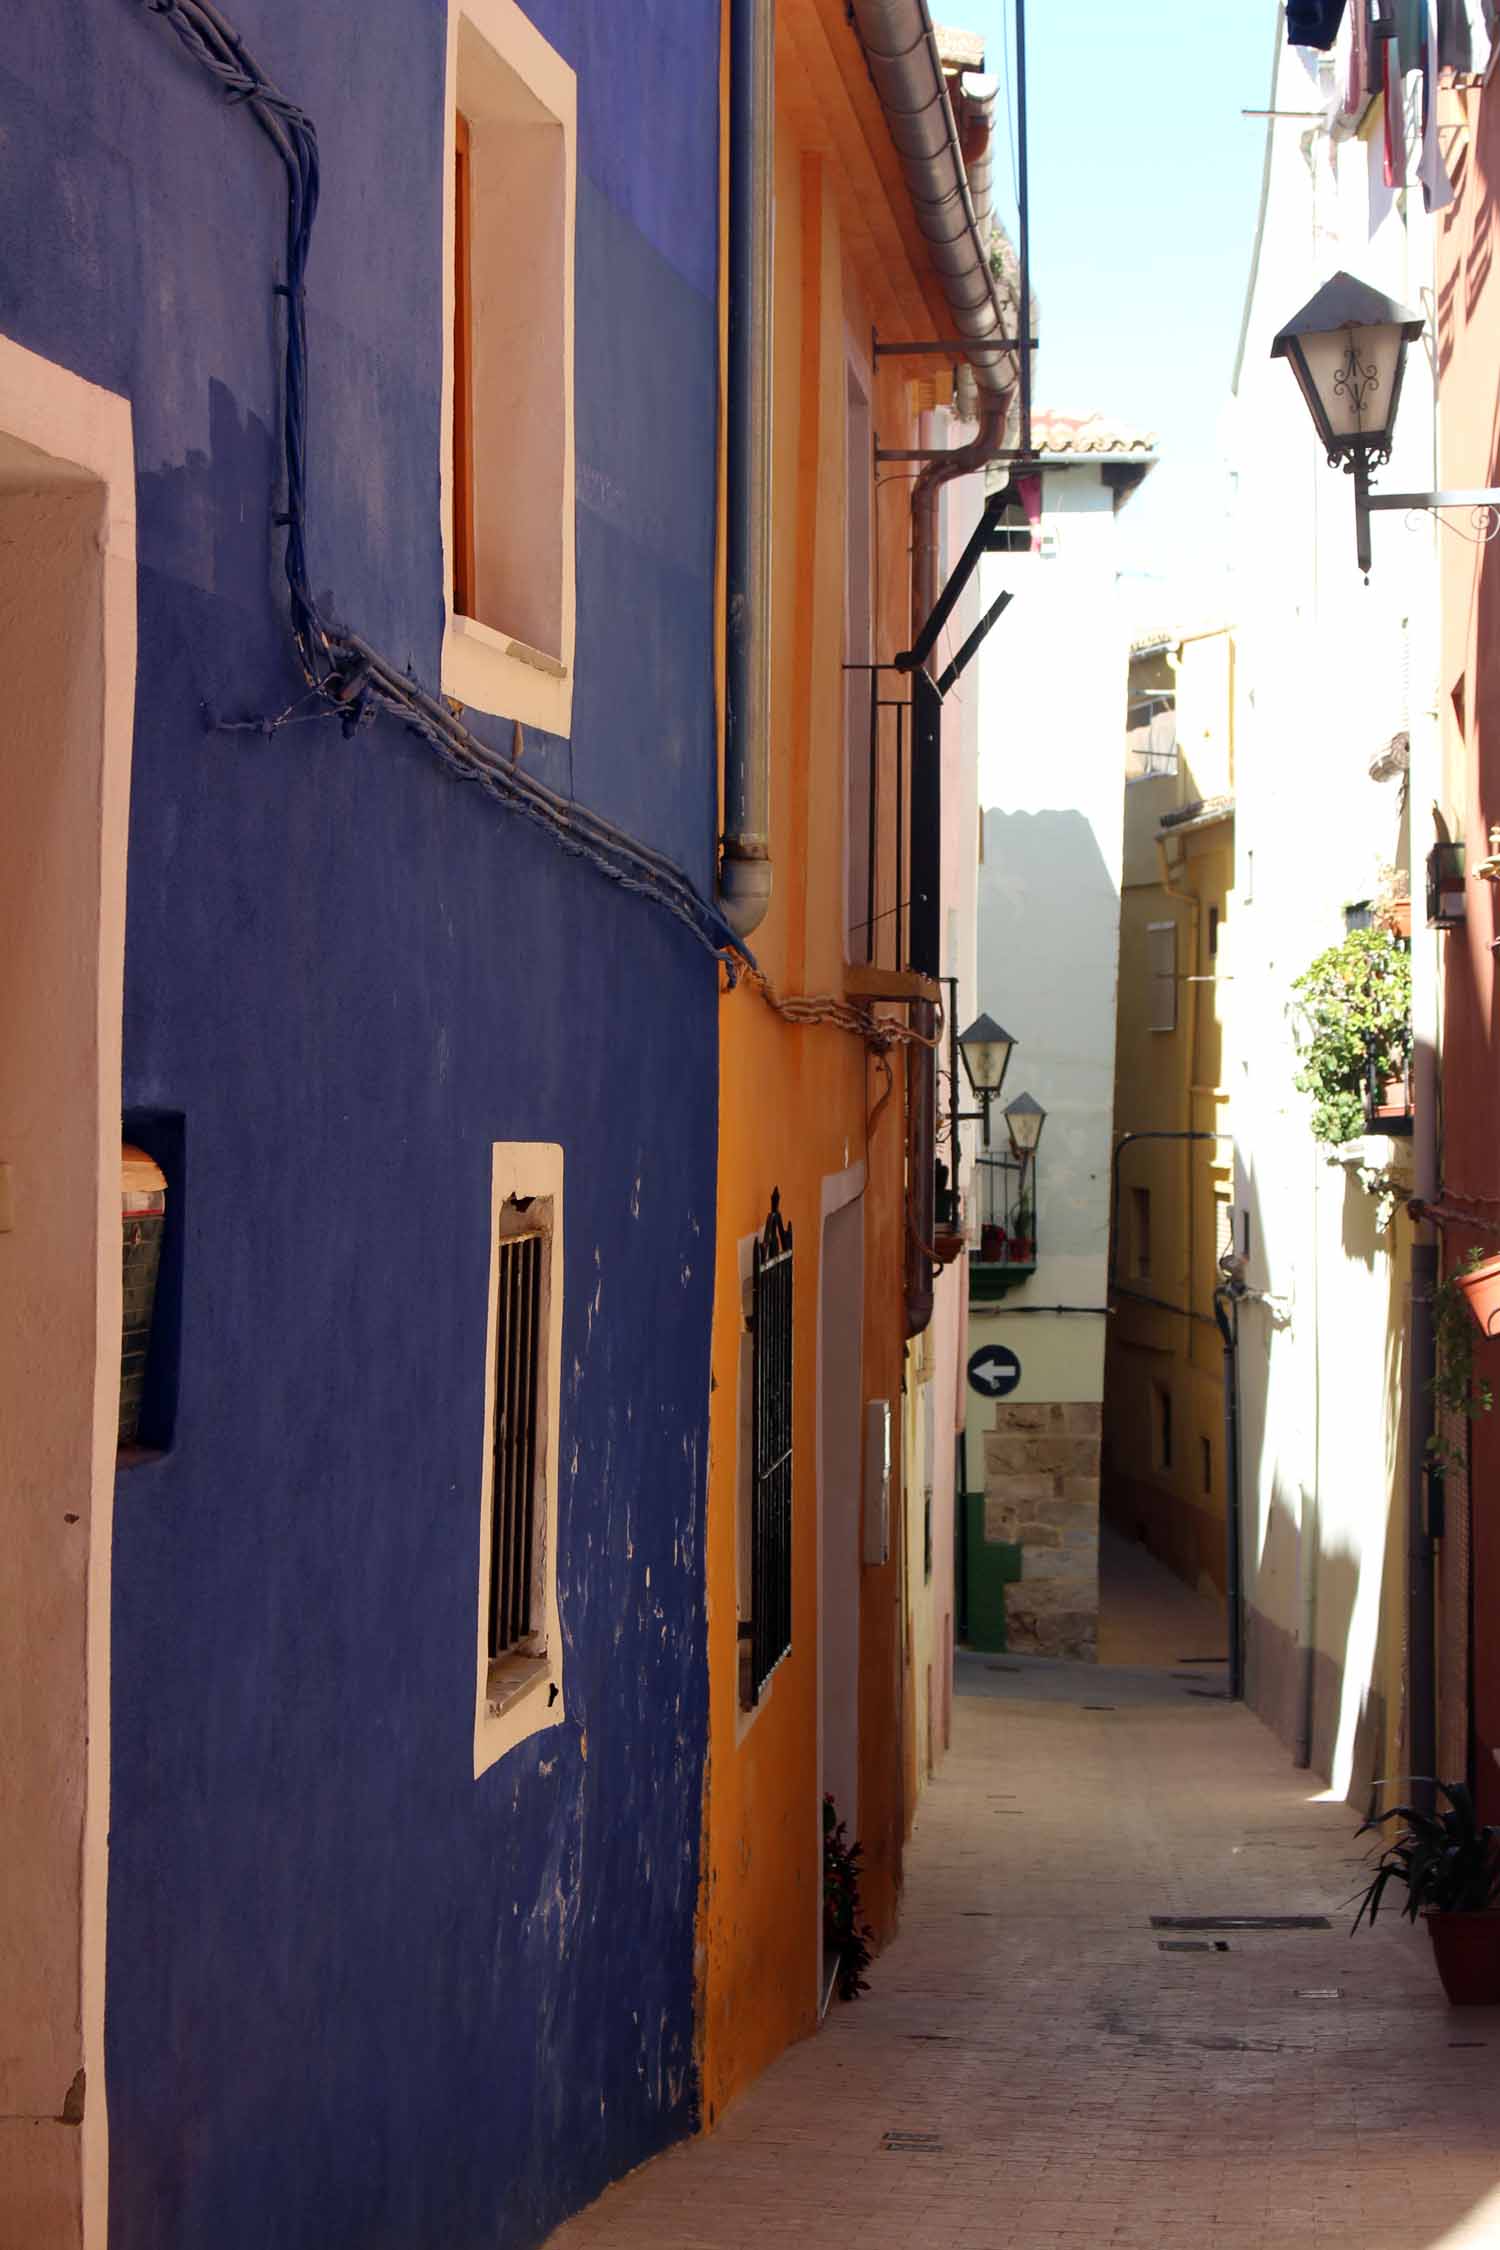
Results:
1475 1287
1450 1864
1353 1022
1455 1315
991 1243
1022 1239
1391 905
844 1935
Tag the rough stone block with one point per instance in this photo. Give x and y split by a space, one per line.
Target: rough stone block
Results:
1002 1521
1039 1535
1082 1489
1083 1418
1032 1489
1024 1420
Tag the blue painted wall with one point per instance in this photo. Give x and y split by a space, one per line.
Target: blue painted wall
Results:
355 1997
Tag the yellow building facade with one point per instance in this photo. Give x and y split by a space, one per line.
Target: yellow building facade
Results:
1172 1195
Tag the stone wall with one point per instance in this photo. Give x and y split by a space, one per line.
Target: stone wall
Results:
1041 1493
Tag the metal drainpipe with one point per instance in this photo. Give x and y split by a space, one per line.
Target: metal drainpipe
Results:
745 848
1227 1317
901 52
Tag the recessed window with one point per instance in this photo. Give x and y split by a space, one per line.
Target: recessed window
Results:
520 1649
1213 931
1207 1463
1140 1212
766 1631
508 472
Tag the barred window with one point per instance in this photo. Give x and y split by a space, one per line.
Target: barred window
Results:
514 1545
519 1685
767 1631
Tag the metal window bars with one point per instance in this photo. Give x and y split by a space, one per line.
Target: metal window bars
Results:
518 1349
768 1628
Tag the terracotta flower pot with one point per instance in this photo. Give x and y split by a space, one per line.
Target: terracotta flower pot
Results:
1467 1950
1022 1250
1396 917
948 1242
991 1245
1480 1286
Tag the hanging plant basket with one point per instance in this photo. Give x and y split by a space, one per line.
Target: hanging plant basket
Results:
1479 1286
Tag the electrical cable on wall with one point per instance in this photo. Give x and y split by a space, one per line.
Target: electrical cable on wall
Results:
353 679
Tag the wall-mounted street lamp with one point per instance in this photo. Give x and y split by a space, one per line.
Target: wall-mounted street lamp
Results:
1024 1119
1347 349
986 1051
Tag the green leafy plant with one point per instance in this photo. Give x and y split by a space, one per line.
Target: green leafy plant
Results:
1448 1860
1354 1005
843 1932
1453 1386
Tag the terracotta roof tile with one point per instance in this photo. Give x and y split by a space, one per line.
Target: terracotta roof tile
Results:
1062 434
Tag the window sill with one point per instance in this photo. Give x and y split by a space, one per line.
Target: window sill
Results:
505 678
522 1697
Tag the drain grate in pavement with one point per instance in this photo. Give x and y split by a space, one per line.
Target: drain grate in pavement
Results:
1191 1945
1318 1992
1468 2042
1240 1922
1098 1707
1203 1660
931 2038
911 2144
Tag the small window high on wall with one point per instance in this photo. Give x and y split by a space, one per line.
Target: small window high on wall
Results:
1161 955
508 472
519 1685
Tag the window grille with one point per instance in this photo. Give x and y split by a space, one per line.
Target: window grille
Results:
769 1627
520 1334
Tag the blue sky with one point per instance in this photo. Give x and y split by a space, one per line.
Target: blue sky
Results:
1145 182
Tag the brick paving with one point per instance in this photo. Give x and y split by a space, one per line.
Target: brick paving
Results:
1080 2086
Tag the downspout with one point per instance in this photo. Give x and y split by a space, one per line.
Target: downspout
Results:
745 847
907 72
1194 903
1227 1317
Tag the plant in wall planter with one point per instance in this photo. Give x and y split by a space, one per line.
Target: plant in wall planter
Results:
843 1932
1455 1315
1449 1863
1022 1240
1352 1025
1475 1288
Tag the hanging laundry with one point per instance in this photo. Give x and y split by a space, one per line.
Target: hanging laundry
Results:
1359 86
1388 69
1454 40
1437 188
1313 23
1411 32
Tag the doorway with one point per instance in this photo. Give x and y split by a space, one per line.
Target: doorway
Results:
67 649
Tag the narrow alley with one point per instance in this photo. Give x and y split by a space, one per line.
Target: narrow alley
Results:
1036 2064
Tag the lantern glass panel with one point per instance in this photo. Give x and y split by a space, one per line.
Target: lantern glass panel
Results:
1355 374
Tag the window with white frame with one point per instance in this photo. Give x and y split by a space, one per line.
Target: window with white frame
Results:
519 1657
508 480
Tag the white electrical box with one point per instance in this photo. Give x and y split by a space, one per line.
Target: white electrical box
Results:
878 1480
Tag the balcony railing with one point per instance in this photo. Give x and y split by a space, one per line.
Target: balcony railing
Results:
1004 1248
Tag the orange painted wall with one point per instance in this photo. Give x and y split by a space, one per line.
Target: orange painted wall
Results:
796 1104
1468 295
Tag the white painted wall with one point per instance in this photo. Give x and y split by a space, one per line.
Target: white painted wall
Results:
1052 700
1329 669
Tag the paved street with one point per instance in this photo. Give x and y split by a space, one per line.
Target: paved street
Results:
1050 2077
